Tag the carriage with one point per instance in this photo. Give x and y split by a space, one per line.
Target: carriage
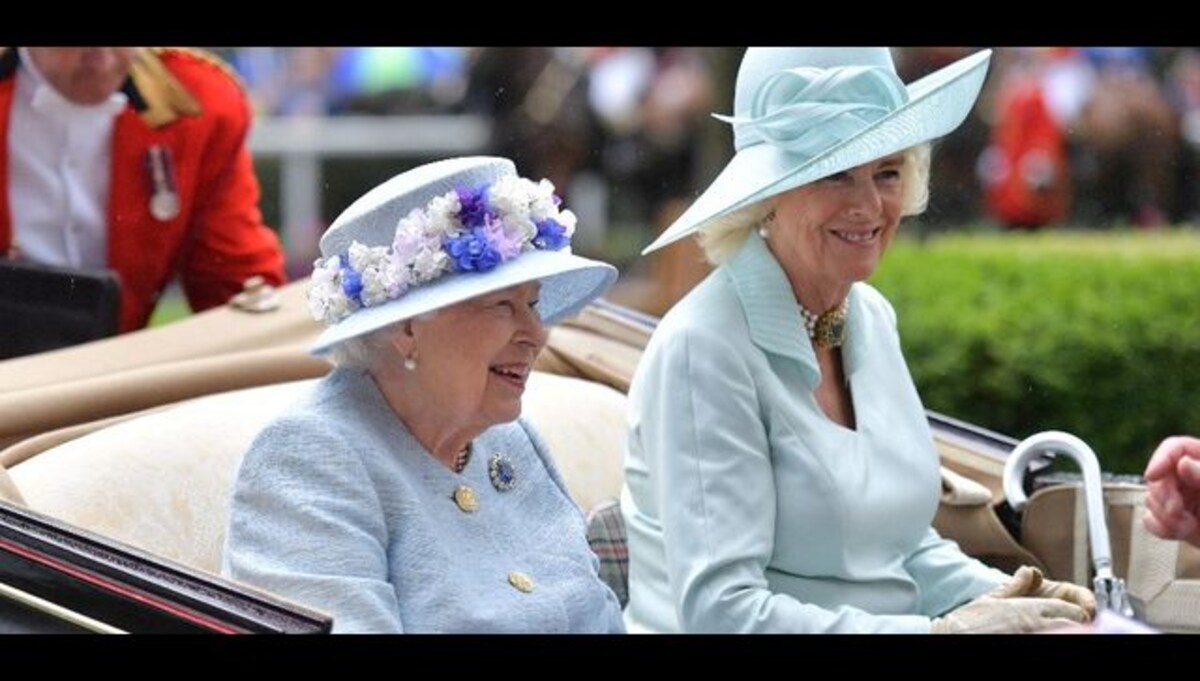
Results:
117 458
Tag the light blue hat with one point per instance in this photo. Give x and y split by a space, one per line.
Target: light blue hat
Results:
804 113
443 233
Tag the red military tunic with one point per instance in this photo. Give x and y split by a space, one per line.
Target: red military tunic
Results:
191 105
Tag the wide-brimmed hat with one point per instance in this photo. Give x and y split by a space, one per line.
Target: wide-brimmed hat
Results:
804 113
443 233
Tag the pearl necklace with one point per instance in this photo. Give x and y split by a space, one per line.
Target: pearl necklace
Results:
826 330
460 461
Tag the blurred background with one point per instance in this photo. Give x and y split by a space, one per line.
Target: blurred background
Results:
1052 282
1091 137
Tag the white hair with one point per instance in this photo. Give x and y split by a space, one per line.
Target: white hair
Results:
722 237
370 349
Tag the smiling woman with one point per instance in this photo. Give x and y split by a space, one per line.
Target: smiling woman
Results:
402 493
474 358
783 481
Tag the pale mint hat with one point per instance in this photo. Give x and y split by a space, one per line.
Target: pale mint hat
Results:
443 233
804 113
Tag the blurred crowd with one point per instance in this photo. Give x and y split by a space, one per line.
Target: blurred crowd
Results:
1079 136
1084 136
616 126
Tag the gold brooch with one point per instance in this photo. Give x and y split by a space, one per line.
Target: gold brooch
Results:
465 498
827 330
520 581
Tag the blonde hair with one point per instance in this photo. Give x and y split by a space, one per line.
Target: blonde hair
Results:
722 237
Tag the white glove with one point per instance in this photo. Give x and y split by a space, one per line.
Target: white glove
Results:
1028 582
990 615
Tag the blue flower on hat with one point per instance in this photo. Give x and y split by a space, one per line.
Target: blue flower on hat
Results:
352 284
551 236
472 251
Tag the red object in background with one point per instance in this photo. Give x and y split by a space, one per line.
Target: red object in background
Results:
1025 173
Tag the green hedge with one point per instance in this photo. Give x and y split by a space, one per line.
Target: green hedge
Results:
1097 334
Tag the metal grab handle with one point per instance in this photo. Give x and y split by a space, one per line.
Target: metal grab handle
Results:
1109 589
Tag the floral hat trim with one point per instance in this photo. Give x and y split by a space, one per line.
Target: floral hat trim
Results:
469 229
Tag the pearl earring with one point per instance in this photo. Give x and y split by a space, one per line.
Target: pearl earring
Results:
762 228
410 362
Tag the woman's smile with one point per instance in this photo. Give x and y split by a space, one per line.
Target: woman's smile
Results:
514 375
858 236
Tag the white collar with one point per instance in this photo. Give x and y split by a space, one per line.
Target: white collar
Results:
48 99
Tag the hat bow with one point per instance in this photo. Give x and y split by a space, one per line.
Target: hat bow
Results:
806 110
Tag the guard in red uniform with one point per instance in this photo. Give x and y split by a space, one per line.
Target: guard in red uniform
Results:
134 160
1025 169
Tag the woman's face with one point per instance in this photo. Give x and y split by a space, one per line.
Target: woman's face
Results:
832 232
475 357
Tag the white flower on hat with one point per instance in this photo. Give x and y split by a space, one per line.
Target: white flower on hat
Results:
412 232
429 265
545 203
442 215
417 247
325 298
381 278
568 220
512 198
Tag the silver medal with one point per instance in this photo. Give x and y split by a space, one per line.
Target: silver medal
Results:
164 199
164 206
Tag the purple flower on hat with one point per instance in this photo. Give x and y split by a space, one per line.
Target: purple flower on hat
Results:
551 236
474 211
471 251
507 245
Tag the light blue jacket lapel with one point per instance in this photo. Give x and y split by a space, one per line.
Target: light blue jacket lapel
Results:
773 314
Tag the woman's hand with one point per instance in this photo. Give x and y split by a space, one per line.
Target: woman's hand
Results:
992 615
1028 582
1173 490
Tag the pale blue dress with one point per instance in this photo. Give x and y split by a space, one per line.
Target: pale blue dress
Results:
748 510
336 506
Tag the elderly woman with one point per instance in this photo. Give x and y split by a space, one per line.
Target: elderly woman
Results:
405 493
781 475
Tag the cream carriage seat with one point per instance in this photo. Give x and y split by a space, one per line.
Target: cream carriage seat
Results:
161 482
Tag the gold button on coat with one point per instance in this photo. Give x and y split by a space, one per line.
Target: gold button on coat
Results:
465 498
520 581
